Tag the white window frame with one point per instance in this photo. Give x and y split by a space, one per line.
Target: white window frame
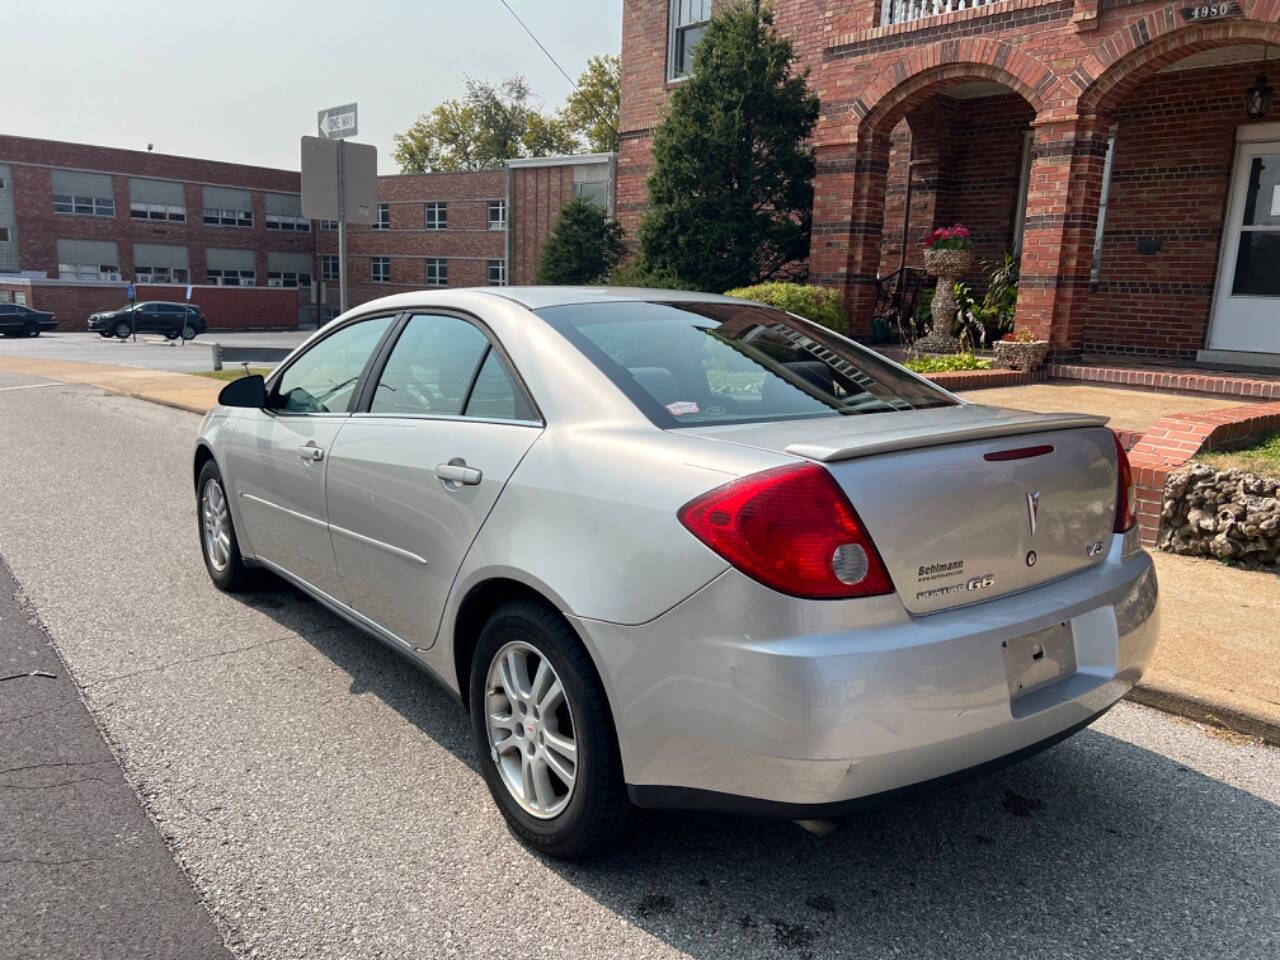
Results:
88 271
499 222
288 278
376 273
329 266
674 31
84 206
436 271
383 222
218 217
144 274
157 211
284 221
231 278
437 215
328 224
497 273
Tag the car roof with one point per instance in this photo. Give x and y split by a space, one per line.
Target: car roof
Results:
535 298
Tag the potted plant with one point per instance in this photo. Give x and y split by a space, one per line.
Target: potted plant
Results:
1020 351
948 251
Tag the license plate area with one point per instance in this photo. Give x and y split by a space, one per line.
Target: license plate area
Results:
1038 659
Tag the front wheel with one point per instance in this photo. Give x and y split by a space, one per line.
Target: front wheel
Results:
33 330
544 734
218 541
122 330
188 332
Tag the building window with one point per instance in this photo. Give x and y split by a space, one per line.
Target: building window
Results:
497 214
284 221
144 274
384 217
157 211
1 183
218 217
597 191
289 278
437 272
232 278
86 206
327 314
497 273
688 23
88 271
328 266
328 224
438 216
4 234
380 269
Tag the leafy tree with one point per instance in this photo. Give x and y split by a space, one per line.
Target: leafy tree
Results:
583 246
487 125
731 194
591 111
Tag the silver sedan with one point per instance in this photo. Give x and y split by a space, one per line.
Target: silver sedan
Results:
679 550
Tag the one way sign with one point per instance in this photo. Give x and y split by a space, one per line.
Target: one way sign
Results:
337 123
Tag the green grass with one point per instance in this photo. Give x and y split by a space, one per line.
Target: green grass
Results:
1263 457
948 363
232 373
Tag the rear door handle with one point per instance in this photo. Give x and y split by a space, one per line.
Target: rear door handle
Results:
309 451
457 471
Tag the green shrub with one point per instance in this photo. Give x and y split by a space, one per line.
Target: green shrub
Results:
583 247
947 363
822 305
636 273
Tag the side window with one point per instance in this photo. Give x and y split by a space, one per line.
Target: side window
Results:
323 379
494 396
430 368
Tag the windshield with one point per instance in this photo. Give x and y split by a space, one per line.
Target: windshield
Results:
713 363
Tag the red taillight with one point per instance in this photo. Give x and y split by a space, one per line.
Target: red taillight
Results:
793 529
1126 493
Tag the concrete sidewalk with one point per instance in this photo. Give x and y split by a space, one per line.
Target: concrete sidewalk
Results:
1220 638
181 390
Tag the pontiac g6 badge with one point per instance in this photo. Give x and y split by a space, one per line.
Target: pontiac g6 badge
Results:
1033 508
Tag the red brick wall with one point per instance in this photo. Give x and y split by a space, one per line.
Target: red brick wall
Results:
1175 144
1076 66
39 228
235 308
537 194
467 242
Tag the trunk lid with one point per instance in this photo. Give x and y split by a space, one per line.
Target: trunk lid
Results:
954 520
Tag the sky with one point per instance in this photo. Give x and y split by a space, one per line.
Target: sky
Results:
242 81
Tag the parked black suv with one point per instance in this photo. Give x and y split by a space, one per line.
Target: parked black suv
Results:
155 316
17 320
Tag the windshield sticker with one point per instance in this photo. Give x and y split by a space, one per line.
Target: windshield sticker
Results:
682 408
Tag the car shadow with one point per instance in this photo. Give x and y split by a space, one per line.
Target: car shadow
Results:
1095 848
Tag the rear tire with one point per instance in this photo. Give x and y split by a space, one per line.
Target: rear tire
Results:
122 330
188 332
218 541
104 334
595 812
33 330
170 335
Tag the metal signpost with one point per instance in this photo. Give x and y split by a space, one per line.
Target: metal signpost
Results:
339 181
133 313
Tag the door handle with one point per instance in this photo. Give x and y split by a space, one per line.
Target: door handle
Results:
457 471
309 451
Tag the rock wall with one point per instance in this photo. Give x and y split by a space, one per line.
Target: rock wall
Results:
1221 513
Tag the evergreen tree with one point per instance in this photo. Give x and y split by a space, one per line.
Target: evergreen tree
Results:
731 194
583 246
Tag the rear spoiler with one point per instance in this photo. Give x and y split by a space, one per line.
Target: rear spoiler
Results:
913 438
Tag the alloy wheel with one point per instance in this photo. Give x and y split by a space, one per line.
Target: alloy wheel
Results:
216 523
531 730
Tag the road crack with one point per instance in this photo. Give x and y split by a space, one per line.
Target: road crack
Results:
182 663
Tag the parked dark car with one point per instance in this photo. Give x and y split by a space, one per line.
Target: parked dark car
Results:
17 320
155 316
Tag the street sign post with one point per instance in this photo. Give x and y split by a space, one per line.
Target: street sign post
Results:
339 180
133 314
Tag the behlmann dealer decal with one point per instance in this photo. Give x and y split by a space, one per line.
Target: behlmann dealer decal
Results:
937 571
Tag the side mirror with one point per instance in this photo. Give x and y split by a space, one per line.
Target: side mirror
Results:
248 392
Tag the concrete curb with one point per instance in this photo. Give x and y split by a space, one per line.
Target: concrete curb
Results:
1184 702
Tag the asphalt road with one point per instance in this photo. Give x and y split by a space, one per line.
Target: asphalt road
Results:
322 795
150 350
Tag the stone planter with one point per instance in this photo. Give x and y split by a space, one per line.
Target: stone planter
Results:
948 266
1020 354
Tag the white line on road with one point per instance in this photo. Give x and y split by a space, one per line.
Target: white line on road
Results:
28 386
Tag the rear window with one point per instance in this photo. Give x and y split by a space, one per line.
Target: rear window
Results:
715 363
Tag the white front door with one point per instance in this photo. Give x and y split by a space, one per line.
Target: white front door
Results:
1246 312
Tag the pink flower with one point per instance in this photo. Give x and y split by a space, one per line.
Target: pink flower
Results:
961 231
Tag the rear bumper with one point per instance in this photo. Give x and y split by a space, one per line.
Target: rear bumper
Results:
740 698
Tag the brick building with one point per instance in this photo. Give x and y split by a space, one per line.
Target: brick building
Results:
78 223
1106 142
